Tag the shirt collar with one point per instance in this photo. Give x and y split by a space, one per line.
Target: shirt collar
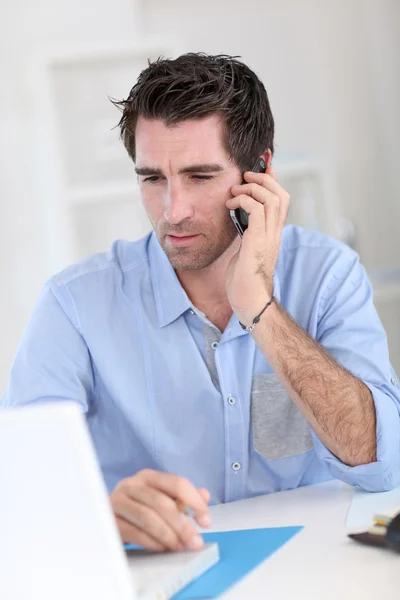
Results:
170 297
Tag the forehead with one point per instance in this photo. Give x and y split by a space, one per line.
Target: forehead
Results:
193 140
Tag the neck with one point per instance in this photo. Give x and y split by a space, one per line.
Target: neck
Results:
206 288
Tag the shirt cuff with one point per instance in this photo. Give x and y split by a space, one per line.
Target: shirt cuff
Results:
384 474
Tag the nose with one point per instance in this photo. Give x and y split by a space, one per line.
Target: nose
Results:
177 204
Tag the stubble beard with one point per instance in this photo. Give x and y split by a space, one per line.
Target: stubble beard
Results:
212 246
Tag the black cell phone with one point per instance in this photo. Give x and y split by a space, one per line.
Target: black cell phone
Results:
239 216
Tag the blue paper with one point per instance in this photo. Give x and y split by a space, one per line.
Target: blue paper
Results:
240 552
132 547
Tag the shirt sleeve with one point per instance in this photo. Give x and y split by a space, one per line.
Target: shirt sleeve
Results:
350 329
52 362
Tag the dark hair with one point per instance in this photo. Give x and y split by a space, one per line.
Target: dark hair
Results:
198 85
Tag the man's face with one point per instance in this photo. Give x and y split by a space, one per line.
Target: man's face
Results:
185 176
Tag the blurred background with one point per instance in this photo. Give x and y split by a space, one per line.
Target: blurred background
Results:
67 188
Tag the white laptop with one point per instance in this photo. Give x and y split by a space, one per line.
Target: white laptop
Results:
58 537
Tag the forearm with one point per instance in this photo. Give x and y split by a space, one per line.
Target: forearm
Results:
338 406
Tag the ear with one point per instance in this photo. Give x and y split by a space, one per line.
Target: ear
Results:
267 156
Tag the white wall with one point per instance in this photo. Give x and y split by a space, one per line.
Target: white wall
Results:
26 27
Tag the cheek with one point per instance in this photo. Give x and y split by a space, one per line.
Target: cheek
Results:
152 201
211 208
216 203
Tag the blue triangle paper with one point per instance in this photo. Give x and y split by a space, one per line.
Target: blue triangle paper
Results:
240 552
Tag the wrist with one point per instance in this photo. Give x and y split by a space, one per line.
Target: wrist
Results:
249 320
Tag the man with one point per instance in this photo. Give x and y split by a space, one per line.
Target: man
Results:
190 395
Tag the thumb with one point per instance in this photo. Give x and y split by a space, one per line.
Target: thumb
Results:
205 494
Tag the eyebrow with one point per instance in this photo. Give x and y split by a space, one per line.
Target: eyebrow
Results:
200 168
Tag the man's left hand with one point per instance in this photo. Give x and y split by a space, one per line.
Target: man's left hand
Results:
249 279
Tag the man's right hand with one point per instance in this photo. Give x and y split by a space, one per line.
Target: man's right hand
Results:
147 514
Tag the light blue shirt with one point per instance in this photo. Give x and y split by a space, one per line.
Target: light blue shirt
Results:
162 388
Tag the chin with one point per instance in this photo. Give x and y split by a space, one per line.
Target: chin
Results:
182 262
192 260
202 254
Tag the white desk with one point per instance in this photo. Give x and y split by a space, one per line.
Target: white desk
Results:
320 562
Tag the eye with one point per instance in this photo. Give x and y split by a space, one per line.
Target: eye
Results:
202 177
152 179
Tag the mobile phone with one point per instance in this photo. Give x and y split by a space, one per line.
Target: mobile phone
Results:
239 216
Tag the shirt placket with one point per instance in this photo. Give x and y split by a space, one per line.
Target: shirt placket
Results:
224 369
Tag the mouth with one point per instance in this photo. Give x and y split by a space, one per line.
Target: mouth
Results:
182 240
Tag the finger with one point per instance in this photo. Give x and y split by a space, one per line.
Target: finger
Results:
130 534
256 191
265 196
167 509
267 181
273 224
205 494
147 520
271 171
255 210
177 488
206 497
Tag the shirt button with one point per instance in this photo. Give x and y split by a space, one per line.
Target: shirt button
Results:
393 381
236 466
214 345
191 311
231 400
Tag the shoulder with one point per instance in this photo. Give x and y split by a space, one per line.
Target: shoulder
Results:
296 238
122 257
315 271
314 261
94 283
313 248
